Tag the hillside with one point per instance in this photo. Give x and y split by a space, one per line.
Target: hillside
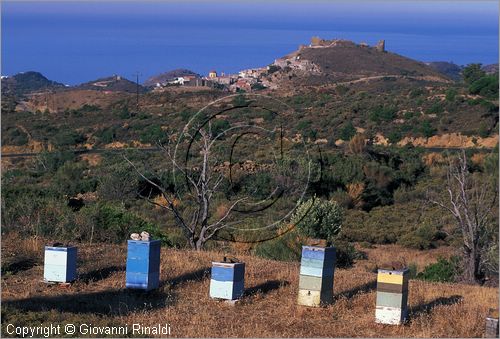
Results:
449 69
164 77
28 82
342 60
113 83
490 69
99 297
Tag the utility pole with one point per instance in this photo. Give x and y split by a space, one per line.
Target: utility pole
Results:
137 74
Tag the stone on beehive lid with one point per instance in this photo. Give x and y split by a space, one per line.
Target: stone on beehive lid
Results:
227 280
316 276
60 263
145 236
392 295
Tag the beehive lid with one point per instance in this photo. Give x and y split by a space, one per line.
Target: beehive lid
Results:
316 248
493 313
226 264
401 271
59 248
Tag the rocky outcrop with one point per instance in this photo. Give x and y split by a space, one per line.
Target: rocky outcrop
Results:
451 140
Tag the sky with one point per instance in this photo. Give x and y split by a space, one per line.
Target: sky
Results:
74 42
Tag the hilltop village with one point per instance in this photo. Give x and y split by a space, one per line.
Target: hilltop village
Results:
260 78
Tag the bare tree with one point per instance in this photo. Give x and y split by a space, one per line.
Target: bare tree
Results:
470 200
203 182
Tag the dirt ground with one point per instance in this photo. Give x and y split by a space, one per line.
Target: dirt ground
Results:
268 308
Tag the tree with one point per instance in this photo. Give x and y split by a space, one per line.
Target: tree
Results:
470 200
318 218
203 183
210 195
472 73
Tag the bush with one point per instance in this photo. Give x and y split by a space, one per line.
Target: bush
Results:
436 108
153 134
347 254
451 94
14 136
284 248
68 138
318 218
445 270
486 86
424 237
109 223
426 129
348 131
382 113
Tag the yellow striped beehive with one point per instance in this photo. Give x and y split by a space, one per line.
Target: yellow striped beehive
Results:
392 296
316 276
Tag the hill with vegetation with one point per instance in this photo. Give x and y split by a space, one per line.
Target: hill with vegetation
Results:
343 61
27 82
166 76
449 69
115 83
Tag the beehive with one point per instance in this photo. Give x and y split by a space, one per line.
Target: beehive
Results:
492 324
59 264
143 264
317 268
227 280
392 296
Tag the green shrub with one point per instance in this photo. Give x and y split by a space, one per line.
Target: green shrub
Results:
347 254
383 113
14 136
284 248
426 129
68 138
218 126
394 136
413 270
486 86
347 132
153 134
451 94
318 218
436 108
444 270
109 223
424 237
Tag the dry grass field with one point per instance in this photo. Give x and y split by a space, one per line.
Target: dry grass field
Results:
268 309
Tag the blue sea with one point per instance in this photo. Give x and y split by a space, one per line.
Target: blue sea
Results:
74 42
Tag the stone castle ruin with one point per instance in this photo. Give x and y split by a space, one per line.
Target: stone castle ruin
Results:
317 42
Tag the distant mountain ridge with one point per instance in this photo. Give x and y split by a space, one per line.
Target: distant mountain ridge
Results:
28 82
164 77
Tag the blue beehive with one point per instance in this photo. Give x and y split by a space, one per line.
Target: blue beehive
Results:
143 264
59 264
227 281
316 275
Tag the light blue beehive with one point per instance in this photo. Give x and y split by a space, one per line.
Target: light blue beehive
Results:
143 264
317 268
227 281
60 264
